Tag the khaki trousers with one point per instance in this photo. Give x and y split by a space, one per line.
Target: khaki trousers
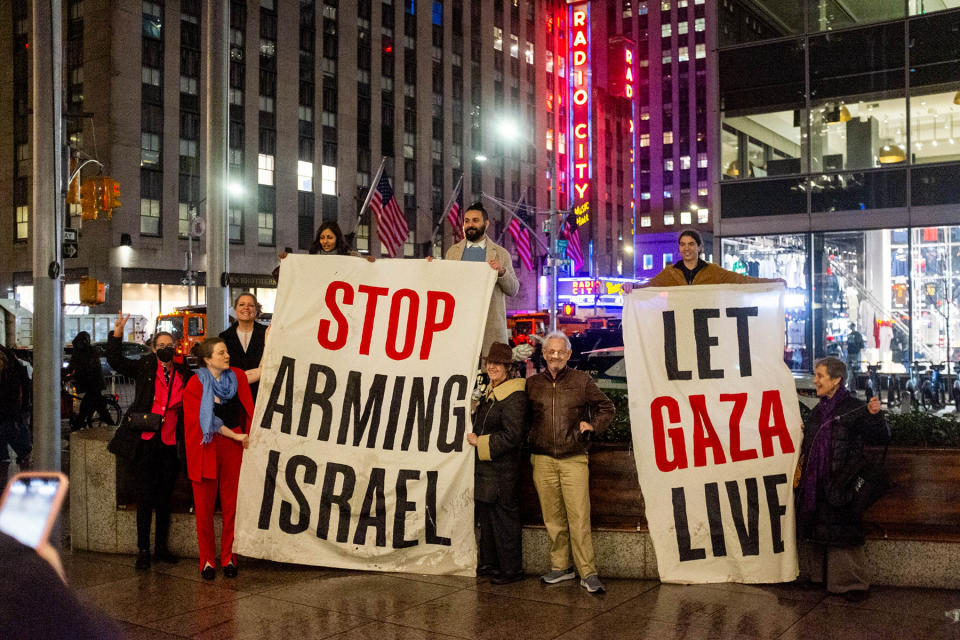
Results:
563 486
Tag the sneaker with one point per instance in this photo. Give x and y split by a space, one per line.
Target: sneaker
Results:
143 560
558 575
592 584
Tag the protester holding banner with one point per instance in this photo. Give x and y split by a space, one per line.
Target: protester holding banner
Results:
218 409
329 241
566 410
832 464
478 247
692 269
245 339
499 425
159 382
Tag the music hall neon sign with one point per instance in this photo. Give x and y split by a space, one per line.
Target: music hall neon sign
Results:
579 79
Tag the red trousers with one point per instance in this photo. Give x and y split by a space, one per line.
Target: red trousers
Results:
229 455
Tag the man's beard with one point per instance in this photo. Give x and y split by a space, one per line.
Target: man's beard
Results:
473 234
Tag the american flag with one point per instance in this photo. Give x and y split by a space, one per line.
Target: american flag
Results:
521 239
572 235
453 217
391 222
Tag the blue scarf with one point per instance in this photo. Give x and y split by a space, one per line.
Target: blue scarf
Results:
817 465
224 388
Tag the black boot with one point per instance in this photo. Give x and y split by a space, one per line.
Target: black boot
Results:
163 554
143 560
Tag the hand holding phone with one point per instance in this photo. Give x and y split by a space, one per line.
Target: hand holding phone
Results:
30 505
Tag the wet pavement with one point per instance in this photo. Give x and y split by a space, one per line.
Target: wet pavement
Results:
269 600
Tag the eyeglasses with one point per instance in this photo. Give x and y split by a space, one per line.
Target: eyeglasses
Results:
555 352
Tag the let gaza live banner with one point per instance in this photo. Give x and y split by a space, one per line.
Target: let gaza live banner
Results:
716 429
358 456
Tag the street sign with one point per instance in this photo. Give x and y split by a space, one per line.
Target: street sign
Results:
71 247
197 227
562 245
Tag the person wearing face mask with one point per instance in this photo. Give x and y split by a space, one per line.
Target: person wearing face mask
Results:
566 410
245 339
159 383
477 246
218 410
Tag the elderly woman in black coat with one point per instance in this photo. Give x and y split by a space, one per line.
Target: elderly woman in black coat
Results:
832 452
498 431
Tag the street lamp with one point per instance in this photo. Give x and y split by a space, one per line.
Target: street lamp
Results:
509 131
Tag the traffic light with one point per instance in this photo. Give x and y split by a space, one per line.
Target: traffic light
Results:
109 195
92 291
568 310
89 200
73 189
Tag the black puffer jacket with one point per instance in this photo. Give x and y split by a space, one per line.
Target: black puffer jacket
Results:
853 428
500 424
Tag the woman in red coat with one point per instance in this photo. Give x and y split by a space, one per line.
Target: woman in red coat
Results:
217 410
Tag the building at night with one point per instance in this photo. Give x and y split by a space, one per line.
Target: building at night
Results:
838 125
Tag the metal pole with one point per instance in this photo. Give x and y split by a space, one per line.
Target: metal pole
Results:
218 257
553 241
47 212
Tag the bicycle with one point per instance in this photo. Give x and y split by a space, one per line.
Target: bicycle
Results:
70 406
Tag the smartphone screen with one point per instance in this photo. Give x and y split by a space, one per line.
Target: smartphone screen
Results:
29 505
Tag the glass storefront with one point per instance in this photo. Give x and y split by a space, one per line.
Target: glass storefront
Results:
897 288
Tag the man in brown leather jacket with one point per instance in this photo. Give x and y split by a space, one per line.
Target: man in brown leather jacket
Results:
566 410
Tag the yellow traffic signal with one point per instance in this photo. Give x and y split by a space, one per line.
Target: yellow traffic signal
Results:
92 291
73 189
113 193
88 198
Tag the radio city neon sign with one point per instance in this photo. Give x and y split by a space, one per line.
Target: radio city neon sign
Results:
580 110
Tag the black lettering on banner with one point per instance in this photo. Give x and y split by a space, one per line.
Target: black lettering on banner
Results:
715 519
287 525
776 509
459 413
328 497
431 512
322 399
743 336
371 411
378 519
670 348
282 383
701 331
402 507
683 528
393 417
269 489
749 531
421 410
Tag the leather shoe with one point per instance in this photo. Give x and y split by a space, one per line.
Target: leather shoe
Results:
507 578
143 560
208 573
165 555
230 571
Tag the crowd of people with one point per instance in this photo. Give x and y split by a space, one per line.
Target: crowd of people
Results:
203 420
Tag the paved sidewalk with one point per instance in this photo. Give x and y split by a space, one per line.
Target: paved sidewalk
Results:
270 600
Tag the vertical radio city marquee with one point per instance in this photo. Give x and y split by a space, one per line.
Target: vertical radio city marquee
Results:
580 109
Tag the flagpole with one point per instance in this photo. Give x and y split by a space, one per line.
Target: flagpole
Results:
513 214
373 185
529 228
443 214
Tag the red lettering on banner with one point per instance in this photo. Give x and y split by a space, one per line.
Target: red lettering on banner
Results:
771 406
372 294
413 309
435 324
676 435
340 339
704 435
739 401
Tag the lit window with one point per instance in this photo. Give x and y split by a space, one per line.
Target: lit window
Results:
665 30
644 113
645 195
188 85
702 160
150 75
665 5
236 97
666 59
514 46
328 180
644 139
149 149
647 260
529 53
265 228
684 217
645 221
549 56
561 68
304 176
701 51
562 144
152 20
668 220
149 217
268 48
188 148
681 4
668 137
549 139
684 162
23 222
183 220
699 24
683 54
682 27
498 38
668 165
667 194
236 224
305 113
265 169
703 216
266 104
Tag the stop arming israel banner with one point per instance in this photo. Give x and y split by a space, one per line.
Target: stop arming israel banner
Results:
716 430
358 456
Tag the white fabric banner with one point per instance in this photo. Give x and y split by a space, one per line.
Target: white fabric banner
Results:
716 430
358 456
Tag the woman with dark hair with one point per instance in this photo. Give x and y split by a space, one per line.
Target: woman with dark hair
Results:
158 388
834 437
330 241
498 431
218 409
245 339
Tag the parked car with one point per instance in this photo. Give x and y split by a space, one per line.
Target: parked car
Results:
132 350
